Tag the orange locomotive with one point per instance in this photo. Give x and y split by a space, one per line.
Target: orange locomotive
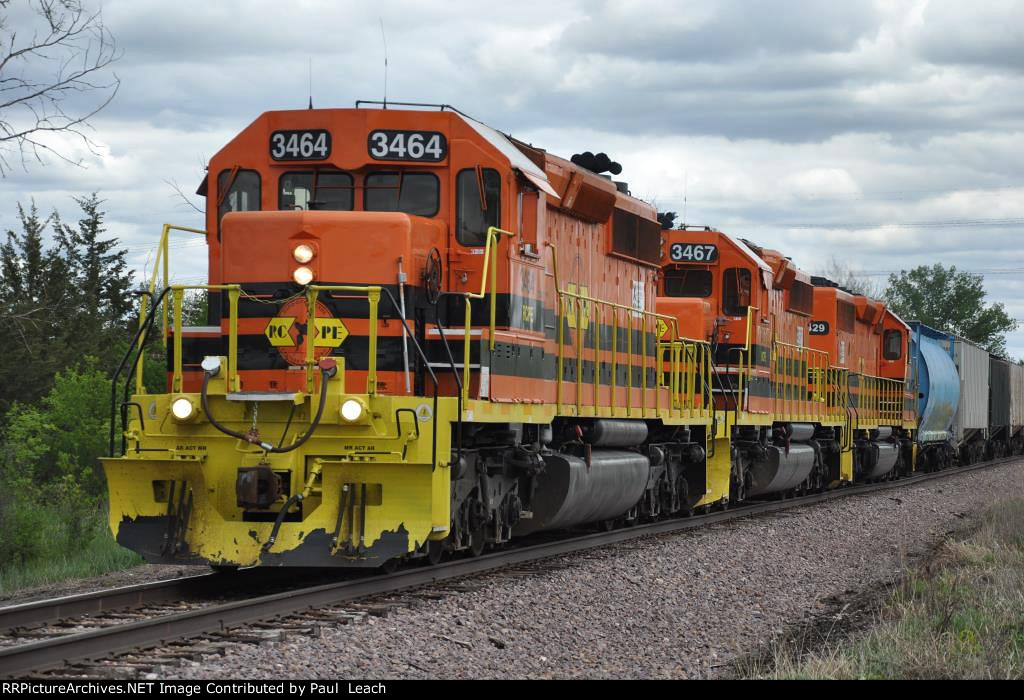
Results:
810 379
423 336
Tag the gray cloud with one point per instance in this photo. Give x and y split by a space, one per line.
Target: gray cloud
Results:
728 30
764 114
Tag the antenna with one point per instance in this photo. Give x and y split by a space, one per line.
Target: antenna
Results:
686 183
384 38
311 82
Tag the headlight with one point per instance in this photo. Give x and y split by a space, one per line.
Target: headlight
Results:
352 410
303 253
302 276
182 409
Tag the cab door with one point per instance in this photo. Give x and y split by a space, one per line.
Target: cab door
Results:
478 201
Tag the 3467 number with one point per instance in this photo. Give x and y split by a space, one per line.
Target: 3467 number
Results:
387 144
300 145
693 252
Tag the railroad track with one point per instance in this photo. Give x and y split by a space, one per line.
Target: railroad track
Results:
50 634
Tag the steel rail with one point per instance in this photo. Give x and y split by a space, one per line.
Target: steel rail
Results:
124 597
194 586
51 653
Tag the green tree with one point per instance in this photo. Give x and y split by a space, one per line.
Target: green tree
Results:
944 298
36 287
61 438
62 302
103 281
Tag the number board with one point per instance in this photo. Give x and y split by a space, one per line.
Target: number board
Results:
819 327
312 144
422 146
693 252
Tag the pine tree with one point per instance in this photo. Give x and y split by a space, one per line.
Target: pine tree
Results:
103 280
31 295
61 303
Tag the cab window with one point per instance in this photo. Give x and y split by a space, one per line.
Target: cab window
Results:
330 191
477 211
892 345
238 193
736 291
411 193
688 283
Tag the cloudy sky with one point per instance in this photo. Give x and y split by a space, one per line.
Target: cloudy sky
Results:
884 134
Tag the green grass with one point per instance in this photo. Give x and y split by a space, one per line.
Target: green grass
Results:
960 616
43 543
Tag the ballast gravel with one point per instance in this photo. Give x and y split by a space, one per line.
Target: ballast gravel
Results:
144 573
676 606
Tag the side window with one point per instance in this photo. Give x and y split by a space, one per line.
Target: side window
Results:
892 345
412 193
735 291
240 193
329 191
688 283
475 211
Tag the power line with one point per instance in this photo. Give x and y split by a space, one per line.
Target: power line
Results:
867 195
947 223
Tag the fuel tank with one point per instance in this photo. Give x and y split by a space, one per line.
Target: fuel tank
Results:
880 460
571 493
611 432
938 384
781 471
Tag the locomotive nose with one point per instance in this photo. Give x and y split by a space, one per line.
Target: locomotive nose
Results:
349 247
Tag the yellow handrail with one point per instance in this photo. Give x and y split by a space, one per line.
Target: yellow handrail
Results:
799 372
743 375
234 293
161 262
493 235
878 399
580 302
177 294
372 293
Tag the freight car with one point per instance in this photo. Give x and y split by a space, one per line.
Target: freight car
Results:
426 337
970 424
935 377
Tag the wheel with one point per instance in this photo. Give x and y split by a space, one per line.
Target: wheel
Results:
435 551
390 566
477 541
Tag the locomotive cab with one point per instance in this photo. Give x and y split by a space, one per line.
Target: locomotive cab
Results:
706 264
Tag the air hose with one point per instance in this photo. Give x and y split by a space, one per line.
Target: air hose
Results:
297 498
325 374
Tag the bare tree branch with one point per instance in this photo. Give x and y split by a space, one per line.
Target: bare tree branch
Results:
53 82
179 193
